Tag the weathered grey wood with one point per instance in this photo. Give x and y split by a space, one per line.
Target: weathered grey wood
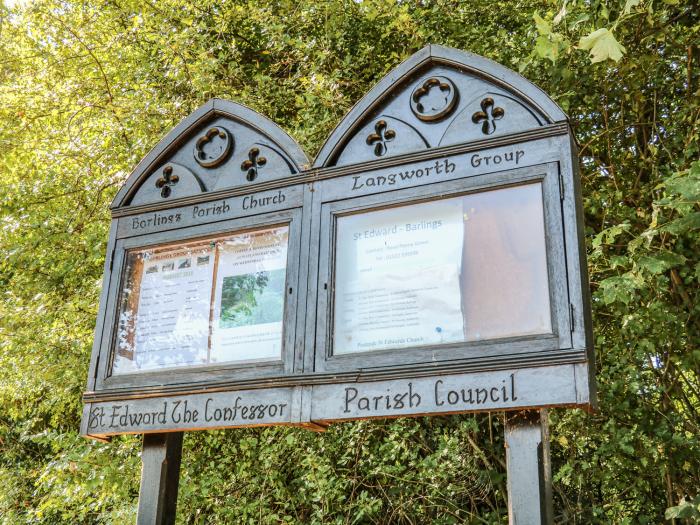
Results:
445 394
463 366
270 406
160 477
586 392
461 166
555 240
307 257
463 182
457 128
316 285
306 404
254 203
316 174
318 193
529 468
529 141
248 129
576 250
107 278
246 370
474 77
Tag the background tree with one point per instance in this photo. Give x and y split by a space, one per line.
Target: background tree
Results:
87 88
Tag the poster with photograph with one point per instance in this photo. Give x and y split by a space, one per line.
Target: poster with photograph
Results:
397 277
164 320
207 302
249 296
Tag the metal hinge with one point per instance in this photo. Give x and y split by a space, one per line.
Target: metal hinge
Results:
561 187
111 261
571 316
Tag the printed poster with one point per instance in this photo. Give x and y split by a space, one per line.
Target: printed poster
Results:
397 280
249 296
169 323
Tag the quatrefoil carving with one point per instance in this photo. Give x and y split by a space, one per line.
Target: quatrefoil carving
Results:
434 99
381 136
488 116
212 148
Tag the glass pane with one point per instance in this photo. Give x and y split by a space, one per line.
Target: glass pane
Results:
249 296
213 301
451 270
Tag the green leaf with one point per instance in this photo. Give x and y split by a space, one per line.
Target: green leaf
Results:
560 15
619 288
687 510
602 46
661 262
543 27
683 224
546 48
629 4
686 183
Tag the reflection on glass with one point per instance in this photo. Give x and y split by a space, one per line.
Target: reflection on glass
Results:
249 296
452 270
213 301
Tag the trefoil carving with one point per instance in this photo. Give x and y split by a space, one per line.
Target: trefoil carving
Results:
167 181
488 116
252 163
381 136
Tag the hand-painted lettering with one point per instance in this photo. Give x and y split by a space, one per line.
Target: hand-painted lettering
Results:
477 160
445 166
252 202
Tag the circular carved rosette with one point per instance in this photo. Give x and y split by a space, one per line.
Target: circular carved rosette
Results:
212 148
434 99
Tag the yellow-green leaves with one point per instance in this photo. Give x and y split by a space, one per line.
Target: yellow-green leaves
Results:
560 15
543 27
602 45
629 4
660 262
549 43
687 509
304 63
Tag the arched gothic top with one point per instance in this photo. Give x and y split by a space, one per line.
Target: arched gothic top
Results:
438 97
221 145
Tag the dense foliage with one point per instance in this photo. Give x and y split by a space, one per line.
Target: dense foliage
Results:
88 87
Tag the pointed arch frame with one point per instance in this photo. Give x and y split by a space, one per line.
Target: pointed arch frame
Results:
435 55
210 110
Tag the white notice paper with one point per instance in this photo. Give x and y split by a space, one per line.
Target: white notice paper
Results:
169 325
249 296
397 280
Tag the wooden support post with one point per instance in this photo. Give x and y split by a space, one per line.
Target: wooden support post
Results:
160 476
529 468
